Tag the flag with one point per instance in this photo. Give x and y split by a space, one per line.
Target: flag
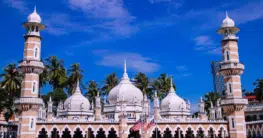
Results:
137 125
152 123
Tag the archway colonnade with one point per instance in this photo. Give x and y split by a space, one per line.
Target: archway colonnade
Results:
153 133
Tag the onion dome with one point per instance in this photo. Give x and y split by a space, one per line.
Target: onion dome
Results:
77 102
227 22
126 89
172 102
34 17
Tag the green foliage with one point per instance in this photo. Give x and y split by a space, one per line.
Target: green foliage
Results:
75 75
259 89
11 80
162 85
56 72
59 95
143 83
110 82
210 97
92 91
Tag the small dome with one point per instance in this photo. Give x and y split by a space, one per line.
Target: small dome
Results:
228 22
77 102
34 17
172 101
125 89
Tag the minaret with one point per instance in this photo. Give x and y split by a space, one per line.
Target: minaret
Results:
212 111
233 102
49 109
98 107
202 113
31 66
156 106
218 110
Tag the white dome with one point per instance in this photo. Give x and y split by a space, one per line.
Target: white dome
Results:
172 101
125 89
34 17
228 22
77 102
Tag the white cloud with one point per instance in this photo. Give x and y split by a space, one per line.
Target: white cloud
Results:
207 45
17 4
157 1
135 61
204 41
110 15
181 68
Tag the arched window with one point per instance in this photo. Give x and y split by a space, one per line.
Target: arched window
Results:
36 52
32 123
227 55
36 28
34 86
32 28
233 123
230 88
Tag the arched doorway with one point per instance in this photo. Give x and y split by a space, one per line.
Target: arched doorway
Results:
78 134
112 133
158 133
249 135
54 133
66 133
211 133
101 133
42 133
90 133
134 134
248 118
167 133
178 133
200 133
189 133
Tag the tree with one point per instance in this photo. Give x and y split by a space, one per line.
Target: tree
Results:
75 75
92 91
43 79
162 85
259 89
110 82
11 80
56 72
59 95
210 97
143 83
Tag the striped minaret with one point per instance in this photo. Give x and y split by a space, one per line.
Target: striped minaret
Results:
31 66
233 102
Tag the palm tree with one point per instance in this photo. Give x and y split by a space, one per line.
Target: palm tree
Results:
75 75
143 83
43 78
11 80
162 85
56 72
110 82
210 97
92 91
259 89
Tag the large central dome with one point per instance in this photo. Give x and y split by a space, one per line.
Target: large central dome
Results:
125 89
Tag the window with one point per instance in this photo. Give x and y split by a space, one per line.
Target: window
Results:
233 123
34 86
227 55
36 51
230 88
36 28
32 123
32 28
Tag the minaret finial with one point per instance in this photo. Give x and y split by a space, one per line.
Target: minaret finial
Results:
35 9
50 99
227 15
155 94
125 66
171 85
98 94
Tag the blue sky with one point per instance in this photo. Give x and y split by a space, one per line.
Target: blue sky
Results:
177 37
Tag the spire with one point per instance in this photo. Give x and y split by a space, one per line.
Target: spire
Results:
77 89
171 86
125 75
155 94
227 15
211 105
50 99
98 94
35 9
201 99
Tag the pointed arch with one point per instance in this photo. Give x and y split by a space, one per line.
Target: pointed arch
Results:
112 126
43 126
112 133
78 126
64 128
54 133
98 128
42 133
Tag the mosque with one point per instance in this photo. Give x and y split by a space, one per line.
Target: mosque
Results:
77 118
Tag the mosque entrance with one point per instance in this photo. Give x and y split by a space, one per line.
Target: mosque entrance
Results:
101 134
90 134
134 134
158 134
